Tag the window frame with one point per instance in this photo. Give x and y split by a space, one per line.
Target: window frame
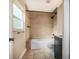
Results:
22 20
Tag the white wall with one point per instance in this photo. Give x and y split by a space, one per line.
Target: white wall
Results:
60 19
10 19
20 39
19 44
66 30
10 30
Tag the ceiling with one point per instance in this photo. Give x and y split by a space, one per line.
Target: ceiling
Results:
43 5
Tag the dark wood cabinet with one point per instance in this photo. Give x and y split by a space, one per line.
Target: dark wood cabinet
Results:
57 47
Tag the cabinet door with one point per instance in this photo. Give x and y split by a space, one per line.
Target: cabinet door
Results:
58 47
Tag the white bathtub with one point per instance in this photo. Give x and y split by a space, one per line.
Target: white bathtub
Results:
41 43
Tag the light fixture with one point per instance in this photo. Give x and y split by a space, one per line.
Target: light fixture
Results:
48 1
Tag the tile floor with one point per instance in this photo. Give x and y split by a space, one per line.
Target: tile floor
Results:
43 53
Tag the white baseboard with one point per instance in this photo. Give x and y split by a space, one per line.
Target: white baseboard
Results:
22 54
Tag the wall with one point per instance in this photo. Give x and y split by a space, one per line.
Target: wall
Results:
41 25
60 19
27 23
19 44
22 37
20 40
27 31
54 25
66 40
63 27
10 18
10 30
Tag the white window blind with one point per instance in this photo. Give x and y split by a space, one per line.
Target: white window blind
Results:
17 18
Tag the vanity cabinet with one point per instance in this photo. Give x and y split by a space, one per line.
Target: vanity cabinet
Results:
57 47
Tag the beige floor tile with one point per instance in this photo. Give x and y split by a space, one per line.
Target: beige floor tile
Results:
39 54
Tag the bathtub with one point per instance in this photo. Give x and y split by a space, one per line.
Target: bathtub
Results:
41 43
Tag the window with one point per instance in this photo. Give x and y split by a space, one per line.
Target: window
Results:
17 18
